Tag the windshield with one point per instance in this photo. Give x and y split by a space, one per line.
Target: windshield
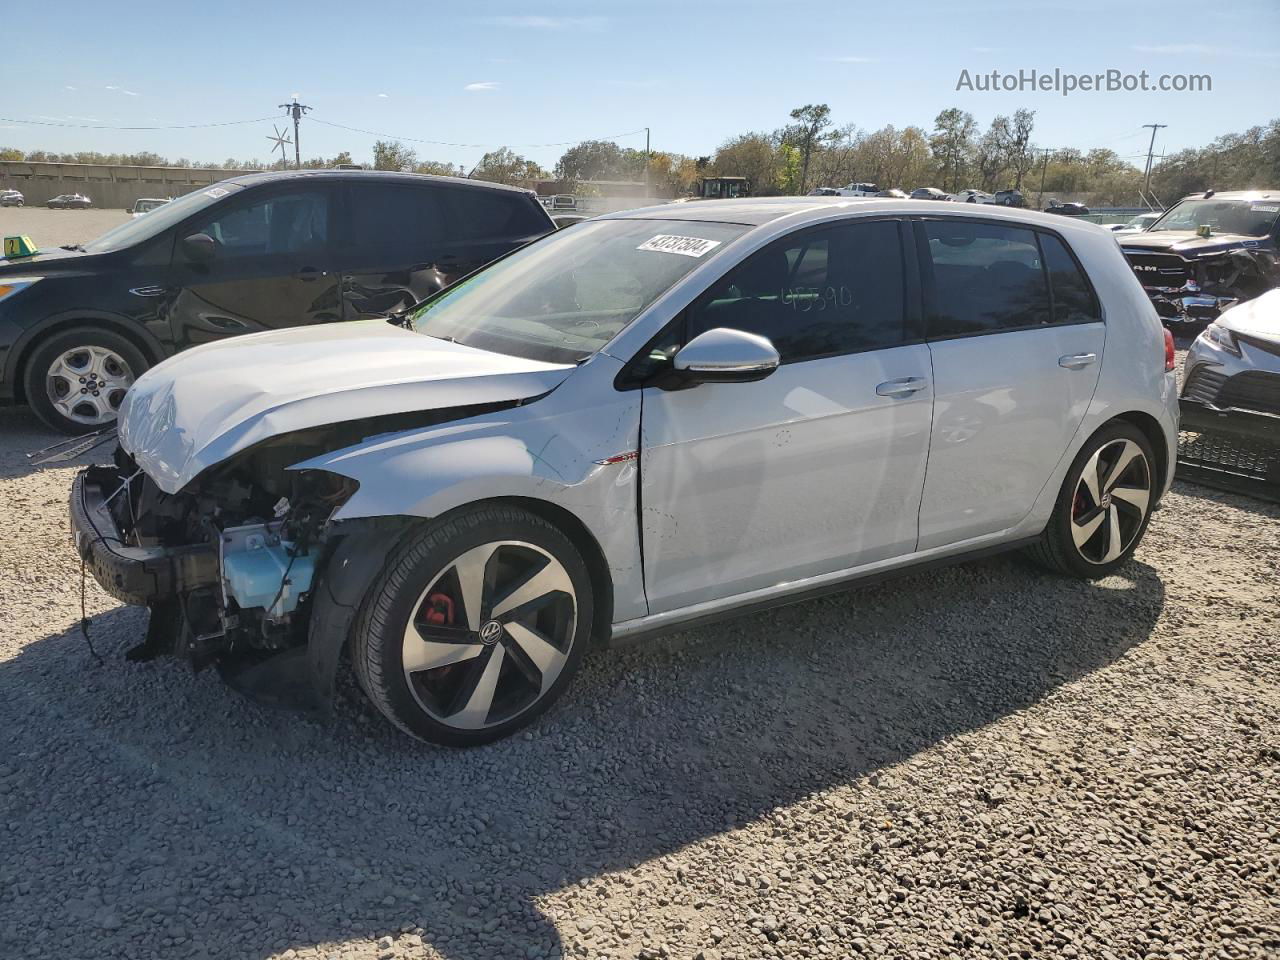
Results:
561 299
160 219
1252 218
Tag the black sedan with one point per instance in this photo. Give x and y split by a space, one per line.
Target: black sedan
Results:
929 193
1067 209
70 201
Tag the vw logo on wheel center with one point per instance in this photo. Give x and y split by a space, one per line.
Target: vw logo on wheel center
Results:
490 632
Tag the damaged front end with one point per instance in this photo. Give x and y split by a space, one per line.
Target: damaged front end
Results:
1194 288
228 565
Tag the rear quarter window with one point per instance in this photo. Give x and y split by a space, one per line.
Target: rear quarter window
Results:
1073 298
486 215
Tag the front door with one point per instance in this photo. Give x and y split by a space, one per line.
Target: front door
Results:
1015 364
274 265
816 468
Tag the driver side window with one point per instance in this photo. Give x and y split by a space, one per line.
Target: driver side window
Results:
823 292
289 223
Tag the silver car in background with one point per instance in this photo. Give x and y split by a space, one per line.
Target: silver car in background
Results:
1235 362
657 418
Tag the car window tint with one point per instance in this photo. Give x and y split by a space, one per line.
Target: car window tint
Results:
493 215
838 289
395 222
1073 298
987 277
283 224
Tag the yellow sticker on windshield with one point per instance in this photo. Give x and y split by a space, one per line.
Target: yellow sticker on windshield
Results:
685 246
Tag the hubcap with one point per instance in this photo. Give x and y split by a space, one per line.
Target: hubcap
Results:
1111 500
490 634
86 384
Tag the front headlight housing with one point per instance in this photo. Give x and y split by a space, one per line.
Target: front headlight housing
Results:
1222 338
11 286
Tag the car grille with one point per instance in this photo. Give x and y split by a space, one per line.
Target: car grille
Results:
1158 269
1203 384
1253 390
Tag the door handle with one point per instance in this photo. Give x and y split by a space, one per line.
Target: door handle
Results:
1077 361
903 387
308 274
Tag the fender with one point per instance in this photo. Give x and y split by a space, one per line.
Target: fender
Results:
562 449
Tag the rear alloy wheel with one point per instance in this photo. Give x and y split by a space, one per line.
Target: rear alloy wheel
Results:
77 380
1104 505
475 628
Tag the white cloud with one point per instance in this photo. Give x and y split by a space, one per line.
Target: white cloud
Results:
118 89
69 87
851 59
382 96
110 87
549 23
482 86
128 93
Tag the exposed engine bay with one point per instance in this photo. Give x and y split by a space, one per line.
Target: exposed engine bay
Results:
1196 289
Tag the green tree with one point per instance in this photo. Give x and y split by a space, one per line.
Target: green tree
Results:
592 160
811 120
952 144
393 155
506 166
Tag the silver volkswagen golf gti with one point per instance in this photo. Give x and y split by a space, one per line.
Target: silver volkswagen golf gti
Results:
654 419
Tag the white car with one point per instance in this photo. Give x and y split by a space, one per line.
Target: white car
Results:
654 419
1136 225
972 196
858 190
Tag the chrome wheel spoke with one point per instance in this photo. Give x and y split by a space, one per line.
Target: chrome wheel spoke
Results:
540 586
1115 546
423 654
474 698
1089 477
1082 533
1128 453
541 653
472 569
85 384
1137 497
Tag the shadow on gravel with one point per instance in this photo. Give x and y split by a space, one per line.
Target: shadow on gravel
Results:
153 812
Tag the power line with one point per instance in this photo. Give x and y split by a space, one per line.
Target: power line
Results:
475 146
98 126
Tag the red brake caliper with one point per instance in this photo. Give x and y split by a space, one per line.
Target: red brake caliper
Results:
439 610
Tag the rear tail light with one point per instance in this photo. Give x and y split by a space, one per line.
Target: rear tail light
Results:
1168 350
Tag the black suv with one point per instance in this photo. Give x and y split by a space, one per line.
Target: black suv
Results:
79 324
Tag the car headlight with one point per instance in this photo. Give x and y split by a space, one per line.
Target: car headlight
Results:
1222 337
9 287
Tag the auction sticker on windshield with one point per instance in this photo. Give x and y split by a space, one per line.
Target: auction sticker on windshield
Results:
685 246
1266 208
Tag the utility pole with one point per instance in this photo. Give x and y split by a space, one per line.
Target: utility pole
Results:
1146 179
1044 169
295 110
646 163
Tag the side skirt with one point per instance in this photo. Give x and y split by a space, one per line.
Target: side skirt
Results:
714 611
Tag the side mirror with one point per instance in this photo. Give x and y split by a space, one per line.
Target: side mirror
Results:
198 248
726 356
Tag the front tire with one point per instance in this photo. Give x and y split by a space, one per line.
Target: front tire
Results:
76 379
475 627
1104 506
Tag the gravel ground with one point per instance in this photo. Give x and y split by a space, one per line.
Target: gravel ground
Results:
52 228
982 761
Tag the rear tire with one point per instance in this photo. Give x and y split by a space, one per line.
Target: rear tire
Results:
1104 505
475 627
75 380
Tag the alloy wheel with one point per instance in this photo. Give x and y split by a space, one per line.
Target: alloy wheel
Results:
490 634
1111 501
86 384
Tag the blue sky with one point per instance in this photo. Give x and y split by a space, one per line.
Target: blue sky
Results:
534 72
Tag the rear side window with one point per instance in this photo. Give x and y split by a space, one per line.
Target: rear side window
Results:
494 215
395 221
287 223
987 277
833 290
1073 298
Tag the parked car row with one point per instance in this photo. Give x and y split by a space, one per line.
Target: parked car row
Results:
69 201
12 198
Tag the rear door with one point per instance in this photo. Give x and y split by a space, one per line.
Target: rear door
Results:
1015 363
274 265
488 223
395 251
817 467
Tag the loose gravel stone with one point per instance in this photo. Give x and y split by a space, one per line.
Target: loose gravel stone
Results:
980 761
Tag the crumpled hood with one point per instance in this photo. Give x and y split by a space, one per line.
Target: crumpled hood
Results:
1185 243
1259 317
206 404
